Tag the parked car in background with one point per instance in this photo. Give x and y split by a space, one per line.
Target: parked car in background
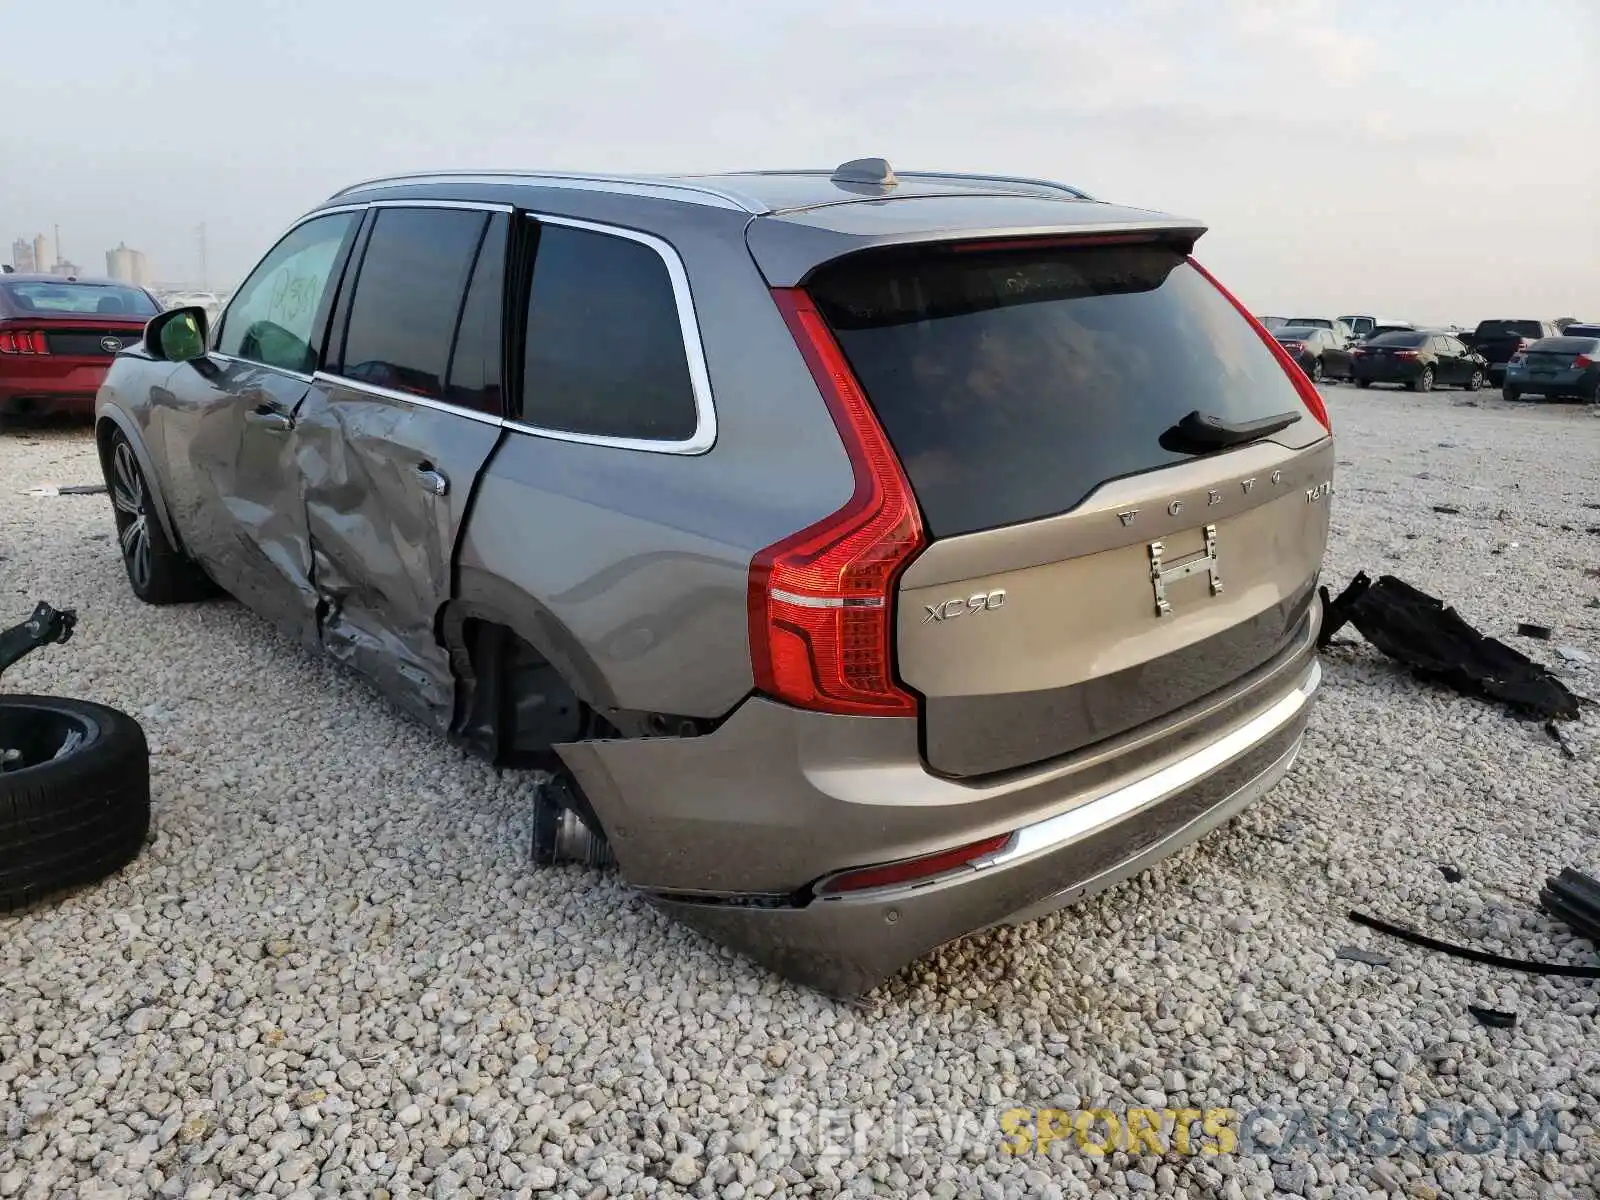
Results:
1364 327
1340 330
855 564
1500 338
1420 359
58 336
1581 329
1271 323
1319 352
1555 367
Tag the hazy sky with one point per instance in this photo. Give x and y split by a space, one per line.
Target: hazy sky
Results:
1437 160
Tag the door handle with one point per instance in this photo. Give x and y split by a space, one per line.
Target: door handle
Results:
433 480
270 419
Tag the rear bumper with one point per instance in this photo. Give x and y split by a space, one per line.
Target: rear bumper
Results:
729 843
1385 372
1565 383
54 383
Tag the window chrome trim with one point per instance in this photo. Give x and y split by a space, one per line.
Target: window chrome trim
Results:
250 362
658 188
383 393
472 205
705 431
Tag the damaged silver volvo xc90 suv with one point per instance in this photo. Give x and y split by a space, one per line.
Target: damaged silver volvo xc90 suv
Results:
873 557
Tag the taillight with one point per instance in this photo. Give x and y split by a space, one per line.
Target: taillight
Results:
1309 396
1583 360
912 869
821 600
1405 353
23 341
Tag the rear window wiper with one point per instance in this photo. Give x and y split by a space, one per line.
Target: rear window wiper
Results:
1203 433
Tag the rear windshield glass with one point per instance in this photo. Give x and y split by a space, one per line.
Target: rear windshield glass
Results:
1312 322
1014 382
1490 329
1399 339
1293 333
79 299
1566 345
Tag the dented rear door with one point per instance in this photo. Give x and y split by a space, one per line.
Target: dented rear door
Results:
393 436
1090 570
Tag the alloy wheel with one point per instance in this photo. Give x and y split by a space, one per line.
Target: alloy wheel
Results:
133 521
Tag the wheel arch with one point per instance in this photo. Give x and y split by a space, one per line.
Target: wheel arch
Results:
112 420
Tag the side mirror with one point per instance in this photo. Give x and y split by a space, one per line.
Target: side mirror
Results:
177 335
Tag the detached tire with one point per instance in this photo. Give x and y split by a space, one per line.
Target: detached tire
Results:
75 806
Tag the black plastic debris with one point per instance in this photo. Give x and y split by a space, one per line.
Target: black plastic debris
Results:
1528 630
1451 874
1448 510
45 626
1356 954
1532 967
1416 629
1573 898
1493 1017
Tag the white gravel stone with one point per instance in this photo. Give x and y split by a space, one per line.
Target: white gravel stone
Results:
335 917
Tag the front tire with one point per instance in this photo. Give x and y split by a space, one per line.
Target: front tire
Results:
1316 370
1423 382
158 572
1363 383
1510 393
1475 384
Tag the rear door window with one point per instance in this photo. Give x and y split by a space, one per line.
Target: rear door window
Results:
1013 382
408 296
605 353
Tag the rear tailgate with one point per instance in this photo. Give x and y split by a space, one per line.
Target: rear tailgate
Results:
1029 391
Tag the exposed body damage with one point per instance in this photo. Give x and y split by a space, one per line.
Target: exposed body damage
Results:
651 486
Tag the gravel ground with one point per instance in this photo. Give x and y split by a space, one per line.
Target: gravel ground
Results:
332 972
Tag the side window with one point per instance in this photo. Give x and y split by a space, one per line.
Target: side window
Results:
272 319
475 364
407 297
1442 345
605 351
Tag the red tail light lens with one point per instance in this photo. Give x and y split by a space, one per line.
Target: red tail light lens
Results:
908 870
1405 353
1309 396
821 601
23 341
1583 360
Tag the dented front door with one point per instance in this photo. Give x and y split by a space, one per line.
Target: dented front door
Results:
235 489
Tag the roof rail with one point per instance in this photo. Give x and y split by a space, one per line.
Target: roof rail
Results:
635 184
971 177
981 177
